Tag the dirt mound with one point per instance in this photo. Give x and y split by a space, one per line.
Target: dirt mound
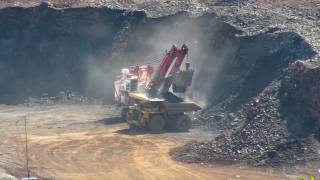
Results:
267 137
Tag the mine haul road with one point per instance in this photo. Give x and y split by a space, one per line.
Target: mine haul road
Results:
90 142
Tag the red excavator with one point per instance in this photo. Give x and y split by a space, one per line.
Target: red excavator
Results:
145 97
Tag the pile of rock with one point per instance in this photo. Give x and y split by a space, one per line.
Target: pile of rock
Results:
302 88
266 137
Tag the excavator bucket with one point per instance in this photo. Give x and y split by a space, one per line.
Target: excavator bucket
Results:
182 80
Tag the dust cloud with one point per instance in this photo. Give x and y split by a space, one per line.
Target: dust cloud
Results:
46 51
146 43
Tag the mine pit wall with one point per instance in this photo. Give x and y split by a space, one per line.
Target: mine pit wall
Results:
46 50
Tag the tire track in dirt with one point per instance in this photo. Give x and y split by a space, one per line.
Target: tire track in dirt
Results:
66 144
95 155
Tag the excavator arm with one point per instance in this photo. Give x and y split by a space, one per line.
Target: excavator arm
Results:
143 78
161 75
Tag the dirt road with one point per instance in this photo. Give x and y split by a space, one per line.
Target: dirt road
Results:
89 142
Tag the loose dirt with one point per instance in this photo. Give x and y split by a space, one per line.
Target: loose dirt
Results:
90 142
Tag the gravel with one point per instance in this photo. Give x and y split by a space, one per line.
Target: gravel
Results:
269 135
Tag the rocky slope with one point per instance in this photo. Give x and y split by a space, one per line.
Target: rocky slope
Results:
280 128
45 51
252 15
301 92
279 125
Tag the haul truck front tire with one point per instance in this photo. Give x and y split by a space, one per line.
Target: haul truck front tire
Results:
183 123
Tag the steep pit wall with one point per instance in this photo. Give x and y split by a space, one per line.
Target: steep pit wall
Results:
44 51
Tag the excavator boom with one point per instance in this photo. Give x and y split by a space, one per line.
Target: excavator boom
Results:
162 72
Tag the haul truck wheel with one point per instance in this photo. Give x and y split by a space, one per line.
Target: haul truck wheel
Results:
183 123
156 123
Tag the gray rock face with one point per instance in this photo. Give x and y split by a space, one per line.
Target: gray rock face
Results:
281 119
301 95
302 86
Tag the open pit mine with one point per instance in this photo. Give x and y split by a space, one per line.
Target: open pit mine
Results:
101 89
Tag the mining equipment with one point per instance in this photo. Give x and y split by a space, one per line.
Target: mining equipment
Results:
149 97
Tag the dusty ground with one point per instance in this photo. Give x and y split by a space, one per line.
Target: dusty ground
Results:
89 142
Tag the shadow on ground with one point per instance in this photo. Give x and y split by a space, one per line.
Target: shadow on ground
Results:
111 121
142 130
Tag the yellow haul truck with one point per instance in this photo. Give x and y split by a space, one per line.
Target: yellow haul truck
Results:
145 95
